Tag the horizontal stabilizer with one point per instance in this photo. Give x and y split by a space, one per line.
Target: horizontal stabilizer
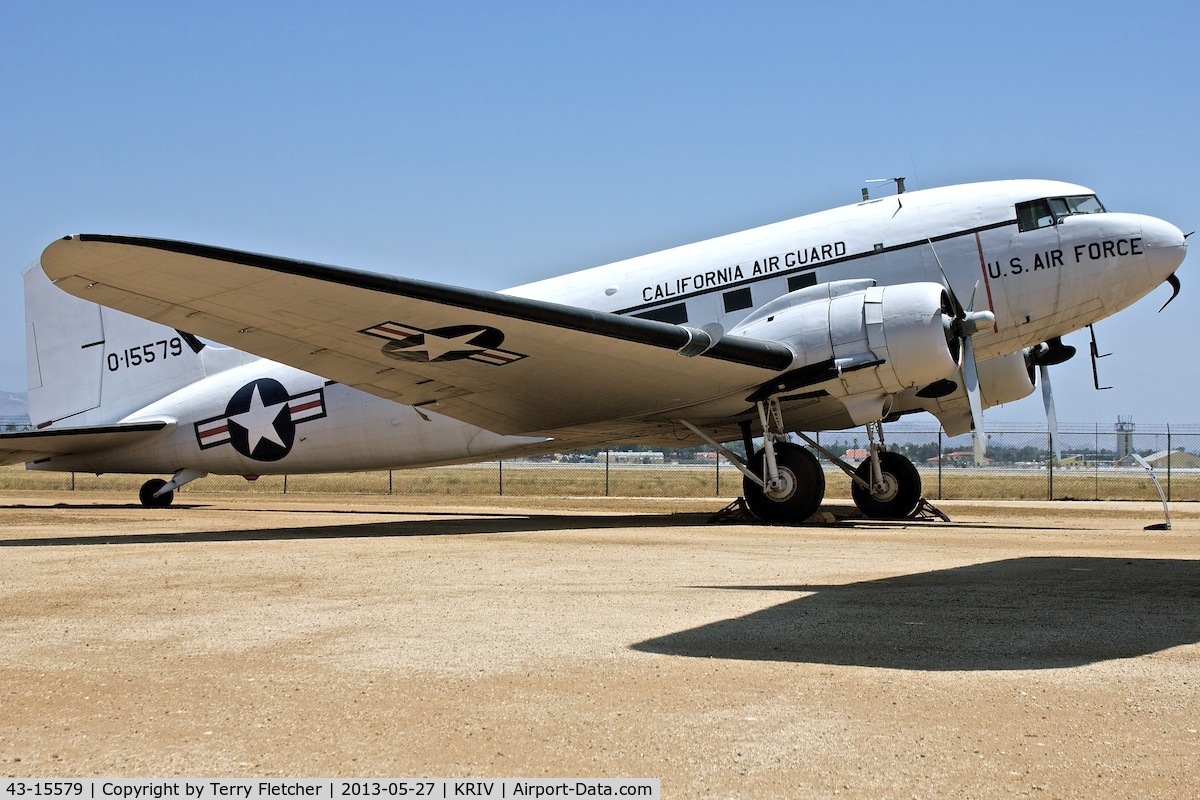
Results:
16 448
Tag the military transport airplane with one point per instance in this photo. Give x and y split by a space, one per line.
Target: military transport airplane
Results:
942 300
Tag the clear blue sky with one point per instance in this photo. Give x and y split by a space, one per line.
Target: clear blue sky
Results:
492 144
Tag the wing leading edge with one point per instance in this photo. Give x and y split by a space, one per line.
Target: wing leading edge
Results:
510 364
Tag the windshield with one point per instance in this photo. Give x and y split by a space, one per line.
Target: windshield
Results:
1047 211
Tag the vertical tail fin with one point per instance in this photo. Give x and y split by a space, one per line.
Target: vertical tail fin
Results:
91 365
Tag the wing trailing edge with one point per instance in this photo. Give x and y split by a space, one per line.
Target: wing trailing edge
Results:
23 446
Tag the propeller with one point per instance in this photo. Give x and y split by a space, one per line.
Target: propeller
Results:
1044 356
1051 414
965 324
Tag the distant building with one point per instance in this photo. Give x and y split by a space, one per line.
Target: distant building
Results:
631 457
963 457
856 455
1177 459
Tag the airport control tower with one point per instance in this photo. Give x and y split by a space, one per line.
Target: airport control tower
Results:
1124 428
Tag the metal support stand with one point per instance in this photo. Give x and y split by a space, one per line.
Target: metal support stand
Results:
736 513
1161 526
927 511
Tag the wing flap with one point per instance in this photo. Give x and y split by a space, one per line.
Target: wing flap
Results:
509 364
22 446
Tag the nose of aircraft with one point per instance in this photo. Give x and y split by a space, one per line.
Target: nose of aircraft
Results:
1165 246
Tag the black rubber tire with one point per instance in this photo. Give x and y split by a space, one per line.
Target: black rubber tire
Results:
905 488
146 494
805 491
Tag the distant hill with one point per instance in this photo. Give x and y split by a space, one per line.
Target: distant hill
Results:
13 406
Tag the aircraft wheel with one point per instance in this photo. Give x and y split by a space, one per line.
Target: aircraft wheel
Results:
901 492
146 494
801 492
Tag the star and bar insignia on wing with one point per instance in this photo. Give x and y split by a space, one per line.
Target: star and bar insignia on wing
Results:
455 342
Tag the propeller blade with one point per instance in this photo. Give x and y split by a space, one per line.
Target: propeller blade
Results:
1175 285
1051 415
959 313
971 384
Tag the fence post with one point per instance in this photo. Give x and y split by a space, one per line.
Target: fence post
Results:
607 461
501 463
717 488
1096 457
939 460
389 481
1050 461
72 481
1169 459
285 484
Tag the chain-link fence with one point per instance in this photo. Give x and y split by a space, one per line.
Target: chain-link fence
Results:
1094 462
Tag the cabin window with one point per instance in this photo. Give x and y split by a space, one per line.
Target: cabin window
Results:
737 300
1048 211
802 281
676 314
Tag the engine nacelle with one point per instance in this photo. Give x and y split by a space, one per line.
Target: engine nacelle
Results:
1003 379
879 339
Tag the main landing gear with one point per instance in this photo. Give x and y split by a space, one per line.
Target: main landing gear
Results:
157 493
796 493
783 482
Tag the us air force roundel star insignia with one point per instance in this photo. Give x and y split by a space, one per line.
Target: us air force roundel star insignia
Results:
453 343
260 420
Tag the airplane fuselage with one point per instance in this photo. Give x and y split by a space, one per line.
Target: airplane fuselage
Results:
1040 282
1042 276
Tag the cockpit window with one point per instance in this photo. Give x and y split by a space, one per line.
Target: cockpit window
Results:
1048 211
1085 204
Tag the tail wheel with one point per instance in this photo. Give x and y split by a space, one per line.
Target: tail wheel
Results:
901 491
802 486
146 494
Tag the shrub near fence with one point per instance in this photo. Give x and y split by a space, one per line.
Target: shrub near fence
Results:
1020 469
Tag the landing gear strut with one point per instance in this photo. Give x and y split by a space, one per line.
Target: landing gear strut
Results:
896 494
797 492
884 486
782 482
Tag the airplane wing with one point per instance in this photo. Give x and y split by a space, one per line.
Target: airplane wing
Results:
22 446
509 364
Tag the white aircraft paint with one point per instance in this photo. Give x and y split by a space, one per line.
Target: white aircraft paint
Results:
855 287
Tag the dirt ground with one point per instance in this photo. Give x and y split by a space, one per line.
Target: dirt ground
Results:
1039 649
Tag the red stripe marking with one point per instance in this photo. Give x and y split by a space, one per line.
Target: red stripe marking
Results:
499 358
396 330
306 406
214 431
986 283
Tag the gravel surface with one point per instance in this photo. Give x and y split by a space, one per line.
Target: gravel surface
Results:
1041 649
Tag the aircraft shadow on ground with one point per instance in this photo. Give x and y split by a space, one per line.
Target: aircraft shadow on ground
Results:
459 525
1022 613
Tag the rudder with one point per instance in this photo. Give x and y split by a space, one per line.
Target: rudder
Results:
91 365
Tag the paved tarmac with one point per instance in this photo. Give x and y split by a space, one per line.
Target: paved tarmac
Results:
1024 649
